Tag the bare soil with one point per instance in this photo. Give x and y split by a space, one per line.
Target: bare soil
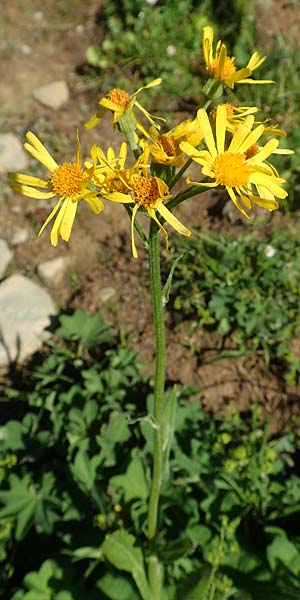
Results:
45 42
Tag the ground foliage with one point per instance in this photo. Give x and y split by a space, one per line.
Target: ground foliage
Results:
246 289
75 472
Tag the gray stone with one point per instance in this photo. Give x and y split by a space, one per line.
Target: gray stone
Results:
5 257
107 294
25 310
25 49
19 236
54 95
51 271
12 155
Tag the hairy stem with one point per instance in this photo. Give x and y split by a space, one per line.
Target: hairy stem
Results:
159 386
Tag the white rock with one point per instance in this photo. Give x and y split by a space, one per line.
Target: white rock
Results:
12 155
5 257
54 95
19 236
107 294
51 271
38 15
25 310
25 49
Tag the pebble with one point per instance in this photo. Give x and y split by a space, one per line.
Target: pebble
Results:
25 310
5 257
53 95
12 155
19 236
52 271
107 294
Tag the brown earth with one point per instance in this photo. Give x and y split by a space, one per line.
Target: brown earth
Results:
102 274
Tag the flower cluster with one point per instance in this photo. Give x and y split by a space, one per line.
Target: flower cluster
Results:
230 147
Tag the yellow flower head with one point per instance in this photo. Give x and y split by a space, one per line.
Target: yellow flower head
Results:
235 115
69 181
144 192
165 147
222 67
118 101
240 166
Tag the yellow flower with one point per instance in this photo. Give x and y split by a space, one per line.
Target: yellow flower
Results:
68 181
236 115
119 102
165 147
222 67
240 168
109 169
143 191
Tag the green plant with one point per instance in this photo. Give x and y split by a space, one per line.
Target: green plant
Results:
169 32
149 516
242 288
76 477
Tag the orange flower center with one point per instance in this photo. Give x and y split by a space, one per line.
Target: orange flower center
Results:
145 191
67 180
169 144
119 97
252 151
115 182
228 68
231 169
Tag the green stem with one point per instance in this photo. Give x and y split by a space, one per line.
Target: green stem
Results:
159 386
180 173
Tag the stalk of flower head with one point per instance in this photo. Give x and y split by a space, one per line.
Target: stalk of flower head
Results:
229 149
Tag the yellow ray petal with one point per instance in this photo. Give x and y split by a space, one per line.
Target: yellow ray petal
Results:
268 148
172 220
54 234
119 197
236 202
110 105
251 138
148 85
53 212
240 134
31 192
67 221
207 131
78 153
95 203
269 182
95 119
133 246
45 157
221 122
29 180
267 203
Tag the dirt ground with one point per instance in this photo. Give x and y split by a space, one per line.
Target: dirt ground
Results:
45 42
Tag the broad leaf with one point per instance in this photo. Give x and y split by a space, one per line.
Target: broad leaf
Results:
120 551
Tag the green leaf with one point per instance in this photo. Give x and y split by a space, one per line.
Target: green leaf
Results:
119 549
195 586
116 431
117 587
85 469
133 482
281 550
29 505
88 330
11 436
